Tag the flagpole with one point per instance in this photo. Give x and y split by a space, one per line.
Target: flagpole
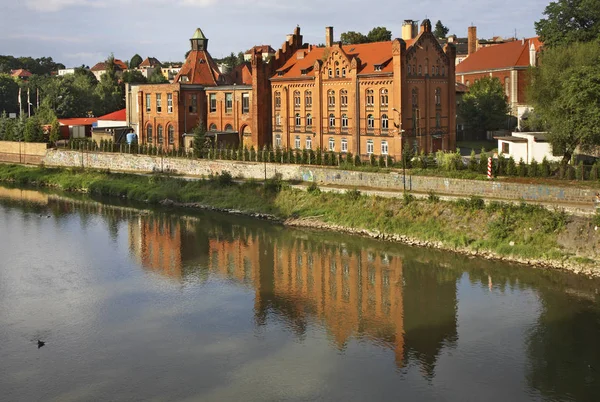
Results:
20 105
28 104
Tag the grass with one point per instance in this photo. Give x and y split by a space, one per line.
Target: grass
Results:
523 230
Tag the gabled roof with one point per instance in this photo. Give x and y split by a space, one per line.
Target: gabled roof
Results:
502 56
150 62
119 66
78 121
20 73
370 55
119 115
261 49
200 69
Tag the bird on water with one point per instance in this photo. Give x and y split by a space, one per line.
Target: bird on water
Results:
41 343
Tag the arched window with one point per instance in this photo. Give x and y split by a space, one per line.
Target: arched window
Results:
438 96
309 120
408 69
229 128
370 122
277 100
330 73
278 119
344 146
298 120
331 120
384 97
468 83
443 71
171 134
426 66
370 98
507 87
278 141
308 99
309 142
331 98
343 72
213 127
159 133
297 99
343 98
438 120
337 72
420 70
149 134
344 122
384 122
415 97
331 144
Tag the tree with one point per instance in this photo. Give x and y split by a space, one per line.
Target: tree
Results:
9 93
485 106
134 77
569 21
353 38
110 94
379 34
54 131
157 77
565 93
440 30
201 141
33 130
135 62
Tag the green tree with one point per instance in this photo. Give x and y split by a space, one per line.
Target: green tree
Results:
353 38
569 21
379 34
440 31
33 130
565 93
54 131
109 93
201 141
484 107
135 62
3 124
134 77
157 77
9 92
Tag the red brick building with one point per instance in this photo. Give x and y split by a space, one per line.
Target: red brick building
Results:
366 99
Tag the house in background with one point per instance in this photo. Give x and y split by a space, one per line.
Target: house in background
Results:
77 127
148 66
20 74
100 68
529 146
266 51
111 127
170 71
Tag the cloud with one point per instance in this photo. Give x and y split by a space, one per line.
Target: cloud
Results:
49 38
85 56
57 5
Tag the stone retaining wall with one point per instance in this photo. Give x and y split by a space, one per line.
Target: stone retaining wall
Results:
22 152
323 175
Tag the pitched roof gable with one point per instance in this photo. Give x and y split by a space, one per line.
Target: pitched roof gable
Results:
199 68
502 56
149 62
119 115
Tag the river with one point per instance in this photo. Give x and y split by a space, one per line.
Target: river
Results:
138 304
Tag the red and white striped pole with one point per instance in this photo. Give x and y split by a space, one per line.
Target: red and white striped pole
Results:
489 168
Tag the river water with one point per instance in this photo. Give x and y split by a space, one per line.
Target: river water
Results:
154 305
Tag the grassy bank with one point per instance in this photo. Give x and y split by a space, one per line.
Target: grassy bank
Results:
524 231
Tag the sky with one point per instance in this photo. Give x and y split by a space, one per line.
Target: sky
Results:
75 32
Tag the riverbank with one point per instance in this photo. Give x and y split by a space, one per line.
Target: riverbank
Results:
522 233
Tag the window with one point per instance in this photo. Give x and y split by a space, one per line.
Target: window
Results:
331 98
344 145
194 103
343 98
331 120
309 120
370 98
278 119
148 102
171 134
415 97
158 103
444 70
331 144
384 98
229 128
228 102
507 86
344 122
309 142
337 72
169 103
297 142
297 99
370 122
159 134
420 69
330 73
149 134
370 147
468 84
438 120
438 97
278 141
408 69
277 100
343 72
384 122
213 127
298 120
384 148
308 99
505 148
245 102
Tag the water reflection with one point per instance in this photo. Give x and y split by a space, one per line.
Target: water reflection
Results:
403 301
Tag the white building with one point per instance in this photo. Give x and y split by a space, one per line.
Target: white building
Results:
528 146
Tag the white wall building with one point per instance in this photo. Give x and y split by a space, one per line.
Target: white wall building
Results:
528 146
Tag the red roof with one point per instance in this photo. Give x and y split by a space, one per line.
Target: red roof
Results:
502 56
119 65
149 62
20 73
370 55
199 68
119 115
261 49
78 121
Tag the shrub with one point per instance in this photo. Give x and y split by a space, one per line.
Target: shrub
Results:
594 172
381 161
569 172
522 168
313 188
357 161
533 168
372 159
224 179
502 227
483 161
349 158
511 167
473 203
544 168
353 194
407 198
432 197
473 162
580 171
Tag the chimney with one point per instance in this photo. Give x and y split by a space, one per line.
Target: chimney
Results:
409 30
472 40
329 37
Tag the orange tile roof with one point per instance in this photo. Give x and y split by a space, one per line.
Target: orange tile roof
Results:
505 55
261 49
370 55
200 68
78 121
20 73
121 64
119 115
149 62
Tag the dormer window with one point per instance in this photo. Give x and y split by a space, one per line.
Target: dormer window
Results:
280 73
377 67
183 78
343 72
330 73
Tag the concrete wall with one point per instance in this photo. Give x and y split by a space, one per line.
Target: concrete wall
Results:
328 176
22 152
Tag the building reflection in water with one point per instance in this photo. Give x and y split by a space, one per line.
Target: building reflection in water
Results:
354 292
